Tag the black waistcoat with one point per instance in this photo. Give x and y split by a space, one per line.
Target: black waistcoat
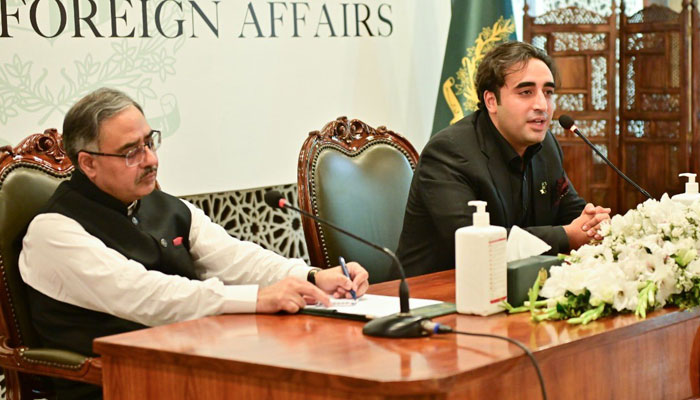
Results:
156 235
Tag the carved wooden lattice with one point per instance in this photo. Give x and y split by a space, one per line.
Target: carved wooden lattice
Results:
695 116
582 43
655 100
654 134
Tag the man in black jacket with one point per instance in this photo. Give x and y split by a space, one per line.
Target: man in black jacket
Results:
502 154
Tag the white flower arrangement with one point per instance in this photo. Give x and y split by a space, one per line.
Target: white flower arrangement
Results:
648 258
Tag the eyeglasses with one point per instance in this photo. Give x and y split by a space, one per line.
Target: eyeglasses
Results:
137 154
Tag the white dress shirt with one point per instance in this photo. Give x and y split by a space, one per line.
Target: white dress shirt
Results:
63 261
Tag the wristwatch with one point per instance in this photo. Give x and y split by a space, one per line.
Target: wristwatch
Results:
311 276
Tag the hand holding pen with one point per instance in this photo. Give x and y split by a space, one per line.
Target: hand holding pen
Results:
347 274
334 280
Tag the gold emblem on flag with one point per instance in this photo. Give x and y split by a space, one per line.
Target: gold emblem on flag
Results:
489 37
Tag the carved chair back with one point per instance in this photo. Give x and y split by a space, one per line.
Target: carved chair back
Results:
29 174
357 177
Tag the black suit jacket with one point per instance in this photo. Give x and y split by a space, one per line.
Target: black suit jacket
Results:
463 163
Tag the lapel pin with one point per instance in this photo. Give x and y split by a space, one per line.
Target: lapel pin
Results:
543 188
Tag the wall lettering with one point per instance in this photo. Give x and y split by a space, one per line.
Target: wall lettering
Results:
194 18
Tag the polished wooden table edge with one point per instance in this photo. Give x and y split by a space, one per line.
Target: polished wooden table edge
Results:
110 347
657 319
436 384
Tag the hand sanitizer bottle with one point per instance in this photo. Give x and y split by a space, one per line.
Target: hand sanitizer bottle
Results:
691 194
480 265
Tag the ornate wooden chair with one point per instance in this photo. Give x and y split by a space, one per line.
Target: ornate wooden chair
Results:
358 178
29 174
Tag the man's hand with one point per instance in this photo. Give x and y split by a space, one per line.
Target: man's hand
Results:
333 280
290 295
584 228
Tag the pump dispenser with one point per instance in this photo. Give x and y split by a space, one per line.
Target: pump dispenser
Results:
480 264
480 217
691 194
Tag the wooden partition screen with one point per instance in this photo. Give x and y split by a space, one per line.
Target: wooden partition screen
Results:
582 43
654 134
695 116
655 100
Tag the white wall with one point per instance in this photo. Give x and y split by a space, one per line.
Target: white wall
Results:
235 108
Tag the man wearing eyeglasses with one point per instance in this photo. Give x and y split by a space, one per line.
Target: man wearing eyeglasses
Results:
112 253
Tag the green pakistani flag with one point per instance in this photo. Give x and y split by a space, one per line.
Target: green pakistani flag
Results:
476 27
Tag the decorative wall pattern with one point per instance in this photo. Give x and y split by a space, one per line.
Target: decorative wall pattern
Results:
631 87
653 14
569 16
667 129
590 128
660 102
540 42
645 41
653 129
564 41
675 59
244 215
601 7
603 149
599 83
637 128
570 102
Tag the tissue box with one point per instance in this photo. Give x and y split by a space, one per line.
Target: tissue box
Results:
522 274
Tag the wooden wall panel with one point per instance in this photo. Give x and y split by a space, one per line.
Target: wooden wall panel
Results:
582 43
695 88
655 134
573 73
655 103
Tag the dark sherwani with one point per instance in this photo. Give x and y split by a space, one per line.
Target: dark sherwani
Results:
146 235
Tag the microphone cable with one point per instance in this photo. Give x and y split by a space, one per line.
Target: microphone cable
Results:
434 327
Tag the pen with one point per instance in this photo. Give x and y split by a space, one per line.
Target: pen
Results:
345 271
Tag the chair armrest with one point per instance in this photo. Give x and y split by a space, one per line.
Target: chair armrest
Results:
52 362
53 358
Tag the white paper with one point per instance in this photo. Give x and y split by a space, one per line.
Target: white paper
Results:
372 305
522 244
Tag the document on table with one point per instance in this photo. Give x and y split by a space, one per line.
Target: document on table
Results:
368 306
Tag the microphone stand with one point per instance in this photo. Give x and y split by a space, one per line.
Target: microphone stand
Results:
568 123
401 325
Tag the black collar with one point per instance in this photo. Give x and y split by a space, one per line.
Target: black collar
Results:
84 185
512 159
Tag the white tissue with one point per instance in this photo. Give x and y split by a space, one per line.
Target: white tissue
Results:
522 244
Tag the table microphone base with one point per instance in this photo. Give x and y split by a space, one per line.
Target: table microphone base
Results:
396 326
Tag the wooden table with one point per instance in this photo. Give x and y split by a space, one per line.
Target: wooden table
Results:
307 357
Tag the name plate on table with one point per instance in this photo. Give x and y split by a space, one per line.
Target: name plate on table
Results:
522 274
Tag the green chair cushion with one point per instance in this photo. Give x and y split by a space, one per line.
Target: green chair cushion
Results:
366 195
23 193
55 358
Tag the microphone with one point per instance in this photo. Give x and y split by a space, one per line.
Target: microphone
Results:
401 325
568 123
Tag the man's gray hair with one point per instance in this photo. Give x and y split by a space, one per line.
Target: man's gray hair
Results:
81 126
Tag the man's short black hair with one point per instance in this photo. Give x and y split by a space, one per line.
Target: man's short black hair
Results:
505 59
